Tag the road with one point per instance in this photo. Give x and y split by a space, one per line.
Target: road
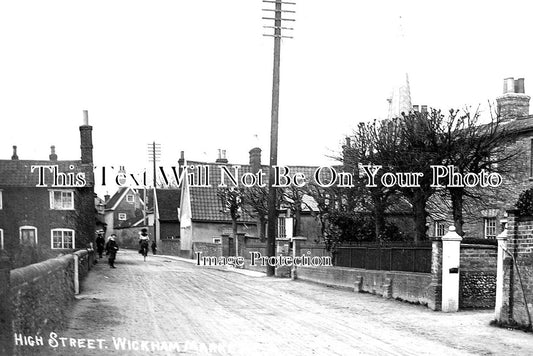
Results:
166 306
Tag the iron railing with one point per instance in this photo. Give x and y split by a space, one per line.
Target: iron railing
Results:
391 257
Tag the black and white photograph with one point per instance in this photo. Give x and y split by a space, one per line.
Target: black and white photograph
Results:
266 177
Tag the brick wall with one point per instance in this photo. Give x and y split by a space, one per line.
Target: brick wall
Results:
207 249
42 293
169 247
477 278
517 296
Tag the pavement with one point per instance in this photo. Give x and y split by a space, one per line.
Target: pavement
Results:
169 306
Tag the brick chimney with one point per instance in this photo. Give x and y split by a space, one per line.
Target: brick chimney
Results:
514 103
221 157
255 159
53 156
106 198
14 157
86 138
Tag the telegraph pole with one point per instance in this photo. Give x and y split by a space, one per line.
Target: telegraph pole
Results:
272 194
154 154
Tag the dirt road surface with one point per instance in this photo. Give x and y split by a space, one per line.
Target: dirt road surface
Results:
166 306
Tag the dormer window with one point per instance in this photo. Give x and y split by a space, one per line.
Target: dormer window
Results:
62 199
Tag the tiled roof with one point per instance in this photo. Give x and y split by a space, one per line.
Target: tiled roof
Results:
205 202
17 173
115 198
519 125
168 202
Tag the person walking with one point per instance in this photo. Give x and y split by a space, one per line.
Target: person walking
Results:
100 245
154 247
111 248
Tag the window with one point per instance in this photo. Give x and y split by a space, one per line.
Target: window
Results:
440 228
122 216
1 239
490 228
217 240
62 238
61 199
281 228
28 235
130 198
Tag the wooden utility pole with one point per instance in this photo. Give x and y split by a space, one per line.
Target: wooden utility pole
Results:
154 153
272 194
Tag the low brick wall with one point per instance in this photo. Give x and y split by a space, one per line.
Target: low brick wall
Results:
169 247
207 249
477 278
408 286
42 293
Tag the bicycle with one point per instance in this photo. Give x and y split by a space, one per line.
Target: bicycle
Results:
144 249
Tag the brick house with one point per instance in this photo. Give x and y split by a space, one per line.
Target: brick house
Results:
47 207
489 216
125 214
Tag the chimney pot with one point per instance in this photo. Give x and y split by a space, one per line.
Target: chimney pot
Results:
255 159
85 118
508 85
53 156
221 156
348 142
519 85
14 157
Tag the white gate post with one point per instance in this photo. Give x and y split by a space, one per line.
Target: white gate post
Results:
502 246
451 251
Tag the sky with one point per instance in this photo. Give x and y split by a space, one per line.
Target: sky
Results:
196 76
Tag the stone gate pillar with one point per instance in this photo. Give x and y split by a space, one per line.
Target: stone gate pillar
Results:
451 251
6 332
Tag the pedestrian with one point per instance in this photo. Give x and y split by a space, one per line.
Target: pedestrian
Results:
154 247
111 248
100 245
143 240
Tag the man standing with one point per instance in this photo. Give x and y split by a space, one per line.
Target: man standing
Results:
100 244
111 248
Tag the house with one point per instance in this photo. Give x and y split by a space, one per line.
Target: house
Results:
126 212
47 206
513 107
205 220
486 218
